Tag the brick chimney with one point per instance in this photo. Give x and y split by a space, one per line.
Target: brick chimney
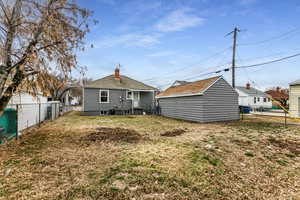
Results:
248 86
117 72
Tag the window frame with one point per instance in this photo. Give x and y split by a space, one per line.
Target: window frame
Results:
127 95
100 101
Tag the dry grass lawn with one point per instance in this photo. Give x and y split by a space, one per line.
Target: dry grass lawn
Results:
151 157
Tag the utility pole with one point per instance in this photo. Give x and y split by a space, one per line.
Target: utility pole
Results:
234 32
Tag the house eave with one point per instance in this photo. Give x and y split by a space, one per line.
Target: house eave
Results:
180 95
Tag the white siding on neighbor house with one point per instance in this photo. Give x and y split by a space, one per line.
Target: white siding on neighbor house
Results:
295 100
31 114
218 103
246 100
25 98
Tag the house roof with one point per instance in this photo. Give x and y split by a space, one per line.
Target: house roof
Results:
278 94
193 88
251 92
297 82
110 82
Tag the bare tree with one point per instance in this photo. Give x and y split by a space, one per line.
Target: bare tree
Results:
35 33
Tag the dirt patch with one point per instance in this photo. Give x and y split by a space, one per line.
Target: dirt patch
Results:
173 133
292 146
113 135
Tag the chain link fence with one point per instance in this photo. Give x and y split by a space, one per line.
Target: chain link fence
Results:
19 117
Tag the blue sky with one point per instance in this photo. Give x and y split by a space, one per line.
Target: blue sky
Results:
159 41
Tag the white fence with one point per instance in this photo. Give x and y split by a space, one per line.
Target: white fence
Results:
32 114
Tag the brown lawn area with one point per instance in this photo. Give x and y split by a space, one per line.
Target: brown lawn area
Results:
80 157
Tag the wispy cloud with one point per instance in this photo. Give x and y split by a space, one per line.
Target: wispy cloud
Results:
162 54
246 2
108 2
130 40
179 20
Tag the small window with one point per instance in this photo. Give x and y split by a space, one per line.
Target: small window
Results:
269 99
129 95
265 99
254 99
258 99
104 96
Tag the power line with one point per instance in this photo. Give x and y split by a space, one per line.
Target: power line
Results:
269 62
199 75
271 39
184 68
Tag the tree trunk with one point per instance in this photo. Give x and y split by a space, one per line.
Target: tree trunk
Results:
8 93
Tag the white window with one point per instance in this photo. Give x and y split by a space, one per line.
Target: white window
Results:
129 95
254 99
258 99
104 96
265 99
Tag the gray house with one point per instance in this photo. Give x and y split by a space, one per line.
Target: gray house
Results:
116 94
208 100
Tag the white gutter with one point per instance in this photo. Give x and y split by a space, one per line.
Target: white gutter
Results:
180 95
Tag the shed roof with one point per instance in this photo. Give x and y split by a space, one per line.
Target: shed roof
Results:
193 88
297 82
110 82
251 91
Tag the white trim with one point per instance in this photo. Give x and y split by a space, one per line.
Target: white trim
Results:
137 90
127 94
180 95
107 96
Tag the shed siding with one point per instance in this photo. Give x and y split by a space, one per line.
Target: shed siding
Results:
218 103
295 100
186 108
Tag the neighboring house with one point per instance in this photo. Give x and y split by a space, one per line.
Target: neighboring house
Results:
280 95
249 96
26 98
208 100
295 98
177 82
118 94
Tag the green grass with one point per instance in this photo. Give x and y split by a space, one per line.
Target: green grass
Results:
208 161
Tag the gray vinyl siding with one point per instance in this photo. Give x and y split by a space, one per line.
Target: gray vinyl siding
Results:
91 100
147 100
218 103
187 108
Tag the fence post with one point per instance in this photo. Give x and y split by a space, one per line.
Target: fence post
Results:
39 114
17 120
285 119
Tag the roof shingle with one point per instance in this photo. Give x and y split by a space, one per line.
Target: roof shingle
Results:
196 87
109 82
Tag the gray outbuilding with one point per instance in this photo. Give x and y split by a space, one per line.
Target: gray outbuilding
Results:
209 100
